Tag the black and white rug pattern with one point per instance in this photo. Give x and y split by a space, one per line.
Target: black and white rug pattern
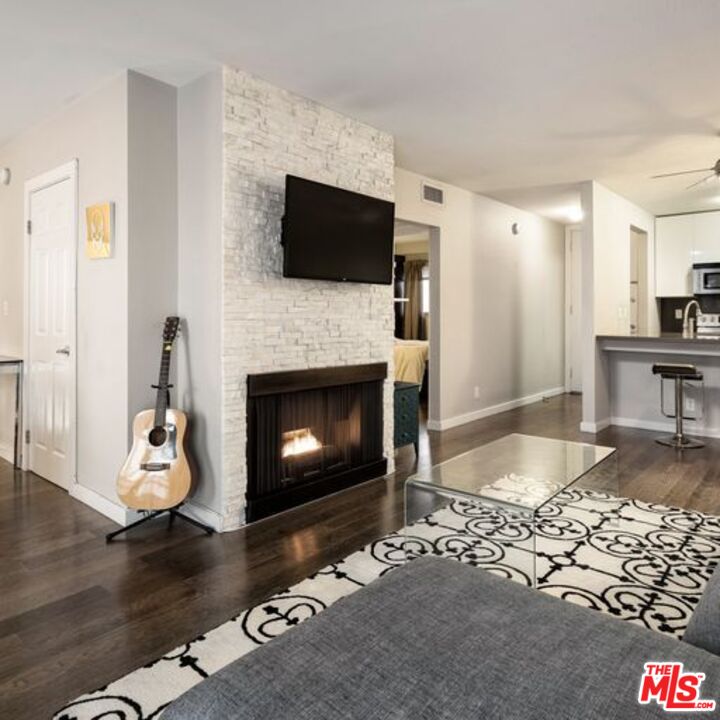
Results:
642 563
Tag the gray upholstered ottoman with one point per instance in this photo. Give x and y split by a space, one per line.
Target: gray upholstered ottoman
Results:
437 640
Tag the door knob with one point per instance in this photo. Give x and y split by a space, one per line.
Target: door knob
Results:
64 350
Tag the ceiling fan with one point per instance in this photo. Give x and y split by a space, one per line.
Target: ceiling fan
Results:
714 170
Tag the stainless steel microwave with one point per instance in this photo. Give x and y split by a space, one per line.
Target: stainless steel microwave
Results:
706 279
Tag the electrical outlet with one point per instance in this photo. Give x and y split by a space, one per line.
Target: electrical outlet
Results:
690 405
678 313
5 308
476 392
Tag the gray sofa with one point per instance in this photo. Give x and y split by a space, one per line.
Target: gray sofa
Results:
438 640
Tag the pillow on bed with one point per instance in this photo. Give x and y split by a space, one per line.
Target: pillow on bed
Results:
703 630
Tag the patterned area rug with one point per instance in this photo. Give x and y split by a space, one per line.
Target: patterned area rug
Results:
643 563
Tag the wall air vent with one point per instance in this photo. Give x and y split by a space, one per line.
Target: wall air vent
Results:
433 194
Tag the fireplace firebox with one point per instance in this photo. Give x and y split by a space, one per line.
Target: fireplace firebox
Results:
311 433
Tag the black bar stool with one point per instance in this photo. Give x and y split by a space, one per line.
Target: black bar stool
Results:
681 374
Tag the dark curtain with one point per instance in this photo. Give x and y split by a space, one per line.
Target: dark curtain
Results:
413 329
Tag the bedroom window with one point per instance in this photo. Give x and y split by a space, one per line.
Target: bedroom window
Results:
425 290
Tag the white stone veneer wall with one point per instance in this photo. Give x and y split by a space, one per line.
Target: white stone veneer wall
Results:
272 323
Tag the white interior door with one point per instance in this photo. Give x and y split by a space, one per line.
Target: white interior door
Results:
51 211
573 310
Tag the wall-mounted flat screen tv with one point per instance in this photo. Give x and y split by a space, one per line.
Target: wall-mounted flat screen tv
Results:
334 234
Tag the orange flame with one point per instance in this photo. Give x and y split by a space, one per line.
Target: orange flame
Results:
297 442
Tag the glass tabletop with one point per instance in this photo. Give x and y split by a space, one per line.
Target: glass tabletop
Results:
522 471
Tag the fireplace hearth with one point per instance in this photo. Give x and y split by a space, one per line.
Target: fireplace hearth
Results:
311 433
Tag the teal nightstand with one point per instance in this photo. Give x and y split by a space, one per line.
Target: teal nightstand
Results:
407 414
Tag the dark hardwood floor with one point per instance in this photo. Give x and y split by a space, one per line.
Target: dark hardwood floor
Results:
76 613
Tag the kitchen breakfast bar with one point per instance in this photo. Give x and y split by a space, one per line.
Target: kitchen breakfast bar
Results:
627 387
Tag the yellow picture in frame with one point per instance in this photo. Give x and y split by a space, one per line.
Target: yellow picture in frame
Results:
99 219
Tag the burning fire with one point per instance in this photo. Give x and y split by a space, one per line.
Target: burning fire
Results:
297 442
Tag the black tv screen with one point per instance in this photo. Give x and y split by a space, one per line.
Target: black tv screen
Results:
334 234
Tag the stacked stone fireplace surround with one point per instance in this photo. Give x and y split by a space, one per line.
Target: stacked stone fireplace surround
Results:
271 323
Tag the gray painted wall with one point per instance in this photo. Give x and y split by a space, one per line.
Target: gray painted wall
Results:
152 236
200 169
498 313
123 136
93 130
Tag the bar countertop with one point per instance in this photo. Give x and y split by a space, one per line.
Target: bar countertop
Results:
664 337
628 393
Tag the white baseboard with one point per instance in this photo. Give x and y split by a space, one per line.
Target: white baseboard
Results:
452 422
124 516
666 427
117 513
203 514
595 427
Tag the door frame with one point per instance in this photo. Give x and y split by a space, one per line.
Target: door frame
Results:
68 171
434 344
569 282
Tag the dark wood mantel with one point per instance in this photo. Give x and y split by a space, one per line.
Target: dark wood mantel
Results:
297 380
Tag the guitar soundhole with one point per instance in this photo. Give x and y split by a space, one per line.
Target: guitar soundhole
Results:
157 436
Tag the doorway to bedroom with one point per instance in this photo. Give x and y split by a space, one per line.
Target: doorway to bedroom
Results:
414 304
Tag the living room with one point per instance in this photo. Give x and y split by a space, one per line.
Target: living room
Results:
159 199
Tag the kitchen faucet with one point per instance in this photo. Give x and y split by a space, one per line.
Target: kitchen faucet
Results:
688 327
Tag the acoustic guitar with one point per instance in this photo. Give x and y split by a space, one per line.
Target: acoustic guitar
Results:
156 475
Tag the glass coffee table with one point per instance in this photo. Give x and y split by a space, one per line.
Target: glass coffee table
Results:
506 485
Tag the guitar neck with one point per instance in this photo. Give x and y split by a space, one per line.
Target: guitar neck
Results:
161 402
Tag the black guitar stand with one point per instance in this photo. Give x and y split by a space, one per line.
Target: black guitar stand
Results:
172 514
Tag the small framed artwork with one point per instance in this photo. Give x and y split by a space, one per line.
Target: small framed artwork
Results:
100 229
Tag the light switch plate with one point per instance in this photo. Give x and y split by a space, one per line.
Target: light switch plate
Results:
678 314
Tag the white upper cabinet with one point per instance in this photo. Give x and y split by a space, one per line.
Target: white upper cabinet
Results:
674 255
680 241
706 237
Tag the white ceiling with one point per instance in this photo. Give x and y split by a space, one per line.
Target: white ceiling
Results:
557 202
491 95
